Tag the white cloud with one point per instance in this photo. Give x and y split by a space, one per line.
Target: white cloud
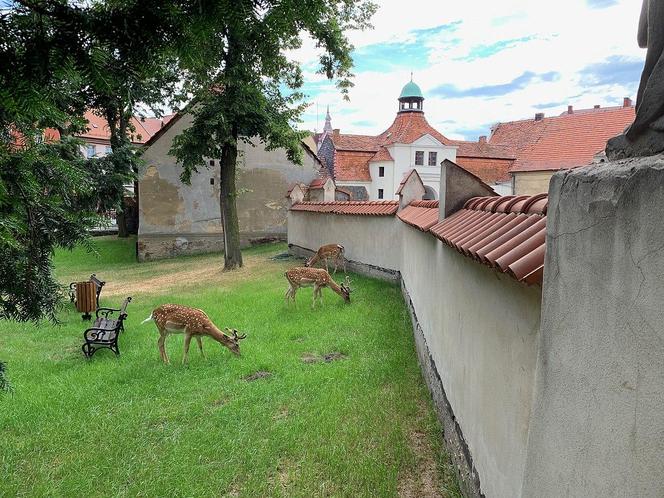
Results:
563 37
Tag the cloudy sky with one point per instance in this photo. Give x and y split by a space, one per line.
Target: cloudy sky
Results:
483 61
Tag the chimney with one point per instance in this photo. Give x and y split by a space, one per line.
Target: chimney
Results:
570 109
336 132
539 116
627 102
596 106
482 139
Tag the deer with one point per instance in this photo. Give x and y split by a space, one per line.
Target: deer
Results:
316 278
192 322
334 252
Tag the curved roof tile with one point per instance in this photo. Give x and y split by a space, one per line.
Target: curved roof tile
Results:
507 233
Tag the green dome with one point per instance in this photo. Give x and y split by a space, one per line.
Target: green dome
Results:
411 90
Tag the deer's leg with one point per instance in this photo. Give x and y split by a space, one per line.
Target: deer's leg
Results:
199 340
187 341
313 302
327 268
162 348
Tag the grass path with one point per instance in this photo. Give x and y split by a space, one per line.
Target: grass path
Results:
361 425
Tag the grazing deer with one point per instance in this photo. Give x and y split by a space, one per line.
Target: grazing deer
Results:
334 252
316 278
192 322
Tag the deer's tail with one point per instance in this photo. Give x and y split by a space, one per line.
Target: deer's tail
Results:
147 319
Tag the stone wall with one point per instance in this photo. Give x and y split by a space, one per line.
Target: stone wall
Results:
598 424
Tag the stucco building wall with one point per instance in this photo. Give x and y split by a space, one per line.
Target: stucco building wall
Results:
175 218
531 182
598 422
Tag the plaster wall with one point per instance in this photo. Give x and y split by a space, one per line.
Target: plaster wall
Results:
386 182
598 423
373 240
175 218
481 328
531 182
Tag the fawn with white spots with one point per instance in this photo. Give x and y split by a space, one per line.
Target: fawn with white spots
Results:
316 278
334 252
192 322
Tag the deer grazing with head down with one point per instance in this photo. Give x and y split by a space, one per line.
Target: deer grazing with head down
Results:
333 252
192 322
316 278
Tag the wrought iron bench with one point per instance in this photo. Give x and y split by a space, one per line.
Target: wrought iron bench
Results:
93 278
105 330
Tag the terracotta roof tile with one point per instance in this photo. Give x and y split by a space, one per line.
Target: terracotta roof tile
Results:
420 214
507 233
362 208
383 154
483 150
145 128
560 142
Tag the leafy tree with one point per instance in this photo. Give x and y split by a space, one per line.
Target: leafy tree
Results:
247 86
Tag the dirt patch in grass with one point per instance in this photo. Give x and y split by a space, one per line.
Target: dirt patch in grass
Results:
327 358
423 481
261 374
178 275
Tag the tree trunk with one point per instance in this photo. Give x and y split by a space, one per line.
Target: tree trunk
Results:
121 221
227 198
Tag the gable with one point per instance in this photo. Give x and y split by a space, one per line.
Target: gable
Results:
427 140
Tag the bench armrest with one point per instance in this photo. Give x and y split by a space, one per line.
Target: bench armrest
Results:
105 311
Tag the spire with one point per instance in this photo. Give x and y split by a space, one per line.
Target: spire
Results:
328 122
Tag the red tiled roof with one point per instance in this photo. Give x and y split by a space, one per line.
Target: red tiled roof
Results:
352 155
383 154
483 150
507 233
355 142
372 208
352 166
317 183
145 128
559 142
420 214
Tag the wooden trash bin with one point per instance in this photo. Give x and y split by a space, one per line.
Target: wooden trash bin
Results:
86 298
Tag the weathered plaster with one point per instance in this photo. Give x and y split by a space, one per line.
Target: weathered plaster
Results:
185 219
598 424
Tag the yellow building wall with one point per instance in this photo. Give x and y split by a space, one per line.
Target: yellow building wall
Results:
531 182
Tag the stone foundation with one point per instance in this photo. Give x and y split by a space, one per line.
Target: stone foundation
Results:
157 246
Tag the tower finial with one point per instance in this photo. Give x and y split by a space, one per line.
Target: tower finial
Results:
411 76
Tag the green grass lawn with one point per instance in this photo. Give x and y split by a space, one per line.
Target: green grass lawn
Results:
132 426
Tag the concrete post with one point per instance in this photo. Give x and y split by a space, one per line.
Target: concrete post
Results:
597 423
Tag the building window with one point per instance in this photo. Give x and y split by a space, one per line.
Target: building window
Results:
380 193
211 181
381 171
108 149
89 151
432 158
419 158
211 162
